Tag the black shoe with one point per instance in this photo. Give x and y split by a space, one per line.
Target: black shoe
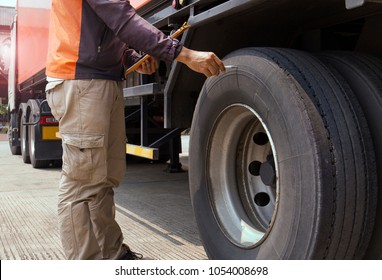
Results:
129 255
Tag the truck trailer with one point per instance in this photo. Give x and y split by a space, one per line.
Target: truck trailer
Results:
32 128
285 156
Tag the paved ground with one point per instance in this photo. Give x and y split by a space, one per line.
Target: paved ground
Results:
153 209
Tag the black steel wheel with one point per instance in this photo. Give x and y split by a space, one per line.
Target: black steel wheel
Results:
281 161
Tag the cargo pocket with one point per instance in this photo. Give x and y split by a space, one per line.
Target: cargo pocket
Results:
84 157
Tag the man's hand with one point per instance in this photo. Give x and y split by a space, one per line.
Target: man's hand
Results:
149 66
206 63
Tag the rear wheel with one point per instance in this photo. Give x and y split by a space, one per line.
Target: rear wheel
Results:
274 173
24 133
364 75
15 150
33 138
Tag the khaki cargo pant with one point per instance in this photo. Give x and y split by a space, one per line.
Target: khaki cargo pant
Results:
92 127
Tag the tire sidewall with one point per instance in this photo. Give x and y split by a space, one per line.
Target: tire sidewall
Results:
293 124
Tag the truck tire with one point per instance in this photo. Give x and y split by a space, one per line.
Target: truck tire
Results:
15 150
24 132
364 75
274 173
32 137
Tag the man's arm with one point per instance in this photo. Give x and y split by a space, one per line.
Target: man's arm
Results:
132 29
121 18
206 63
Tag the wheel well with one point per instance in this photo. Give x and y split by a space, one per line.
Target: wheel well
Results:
260 28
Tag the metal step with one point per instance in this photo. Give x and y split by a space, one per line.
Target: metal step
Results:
143 90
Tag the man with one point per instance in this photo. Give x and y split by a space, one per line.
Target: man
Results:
88 40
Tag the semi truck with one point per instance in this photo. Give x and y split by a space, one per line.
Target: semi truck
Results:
285 156
32 128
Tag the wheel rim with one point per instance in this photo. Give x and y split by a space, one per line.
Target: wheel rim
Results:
242 176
